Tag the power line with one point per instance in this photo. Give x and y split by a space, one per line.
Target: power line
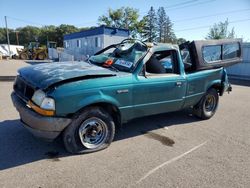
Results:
193 18
201 3
39 24
2 23
169 8
26 21
186 2
207 26
211 15
183 3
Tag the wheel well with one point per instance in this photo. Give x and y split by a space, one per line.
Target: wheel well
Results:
110 108
218 88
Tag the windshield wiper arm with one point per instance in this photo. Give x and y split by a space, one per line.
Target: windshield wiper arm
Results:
88 60
115 69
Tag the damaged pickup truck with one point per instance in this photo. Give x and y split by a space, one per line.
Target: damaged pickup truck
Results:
85 101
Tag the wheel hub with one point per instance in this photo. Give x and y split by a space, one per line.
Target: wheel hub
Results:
93 132
210 103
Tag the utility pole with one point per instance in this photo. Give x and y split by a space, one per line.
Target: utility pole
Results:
7 33
17 38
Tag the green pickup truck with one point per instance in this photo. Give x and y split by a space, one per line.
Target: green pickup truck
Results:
85 101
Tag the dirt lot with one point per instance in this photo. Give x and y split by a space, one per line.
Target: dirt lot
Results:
168 150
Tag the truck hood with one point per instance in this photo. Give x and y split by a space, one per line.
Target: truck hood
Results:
46 74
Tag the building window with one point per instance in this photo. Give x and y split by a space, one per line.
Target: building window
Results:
66 44
78 43
85 42
98 42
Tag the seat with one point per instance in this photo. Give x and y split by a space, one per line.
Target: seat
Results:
154 66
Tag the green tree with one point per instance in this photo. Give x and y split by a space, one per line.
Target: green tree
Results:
3 36
168 32
220 31
28 34
180 40
42 35
161 20
12 36
48 33
64 29
124 17
150 26
165 27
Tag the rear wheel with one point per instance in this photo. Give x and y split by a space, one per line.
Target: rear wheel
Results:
92 130
208 105
41 56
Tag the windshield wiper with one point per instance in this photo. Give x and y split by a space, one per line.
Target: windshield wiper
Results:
112 67
89 61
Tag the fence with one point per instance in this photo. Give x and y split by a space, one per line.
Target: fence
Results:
241 70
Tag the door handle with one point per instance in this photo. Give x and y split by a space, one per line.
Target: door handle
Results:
178 84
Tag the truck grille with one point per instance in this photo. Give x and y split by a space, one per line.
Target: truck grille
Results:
23 90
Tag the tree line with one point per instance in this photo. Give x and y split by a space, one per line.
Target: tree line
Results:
24 35
155 26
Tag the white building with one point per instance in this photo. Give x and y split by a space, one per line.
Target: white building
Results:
88 42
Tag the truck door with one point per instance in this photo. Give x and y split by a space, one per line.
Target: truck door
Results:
163 88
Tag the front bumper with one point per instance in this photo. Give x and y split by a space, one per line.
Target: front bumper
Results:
47 128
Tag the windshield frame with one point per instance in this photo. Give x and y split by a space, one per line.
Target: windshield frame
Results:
135 63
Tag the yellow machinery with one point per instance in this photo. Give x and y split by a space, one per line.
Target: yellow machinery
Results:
35 52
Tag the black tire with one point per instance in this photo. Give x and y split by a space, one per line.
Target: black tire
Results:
92 123
41 56
208 105
24 56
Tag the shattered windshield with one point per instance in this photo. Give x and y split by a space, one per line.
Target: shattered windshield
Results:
120 57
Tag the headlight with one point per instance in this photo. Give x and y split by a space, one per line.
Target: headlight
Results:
48 104
38 97
42 104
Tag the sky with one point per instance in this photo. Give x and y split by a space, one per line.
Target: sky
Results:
191 18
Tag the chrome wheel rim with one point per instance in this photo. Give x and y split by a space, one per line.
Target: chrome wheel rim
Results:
93 132
210 103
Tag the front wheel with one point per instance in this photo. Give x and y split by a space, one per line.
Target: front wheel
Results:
24 56
208 105
92 130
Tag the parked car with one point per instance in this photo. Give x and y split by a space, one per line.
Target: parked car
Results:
85 101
